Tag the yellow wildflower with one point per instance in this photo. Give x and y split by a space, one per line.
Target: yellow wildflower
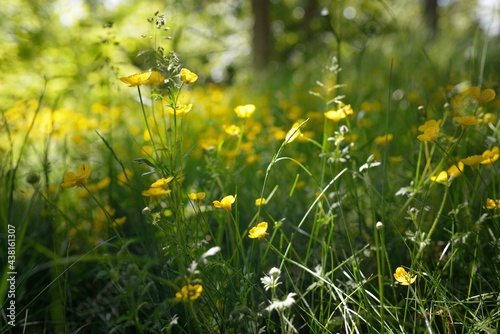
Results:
430 130
156 192
260 201
442 177
490 118
188 77
384 140
196 196
446 176
490 156
189 292
294 132
473 160
225 203
180 110
245 111
492 204
403 277
146 77
77 179
258 231
467 121
232 130
484 96
162 182
337 115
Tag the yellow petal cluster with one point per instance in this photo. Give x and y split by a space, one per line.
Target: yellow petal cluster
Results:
232 130
294 132
180 110
430 130
245 111
188 77
492 204
384 140
146 77
259 231
452 172
196 196
481 96
403 277
490 156
338 114
260 201
225 203
78 179
189 292
158 188
467 121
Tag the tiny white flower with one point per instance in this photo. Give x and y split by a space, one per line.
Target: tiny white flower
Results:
211 252
379 226
280 305
270 281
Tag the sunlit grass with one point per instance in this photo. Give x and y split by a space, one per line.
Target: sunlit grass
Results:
175 205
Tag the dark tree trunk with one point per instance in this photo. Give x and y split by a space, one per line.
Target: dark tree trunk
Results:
431 15
262 39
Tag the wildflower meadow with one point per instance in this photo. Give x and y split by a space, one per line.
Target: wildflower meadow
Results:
174 167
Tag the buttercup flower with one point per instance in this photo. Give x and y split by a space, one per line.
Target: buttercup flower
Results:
490 156
294 132
383 140
446 176
146 77
158 188
260 201
430 130
232 130
156 192
188 77
337 115
162 182
403 277
225 203
473 160
196 196
442 177
77 179
245 111
492 204
484 96
189 292
258 231
467 121
180 110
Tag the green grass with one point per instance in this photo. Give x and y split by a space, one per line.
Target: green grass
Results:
345 206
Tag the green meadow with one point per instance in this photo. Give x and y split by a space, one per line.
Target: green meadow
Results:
255 166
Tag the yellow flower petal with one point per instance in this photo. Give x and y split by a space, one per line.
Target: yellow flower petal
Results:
467 121
259 231
484 96
225 203
146 77
403 277
188 77
245 111
78 179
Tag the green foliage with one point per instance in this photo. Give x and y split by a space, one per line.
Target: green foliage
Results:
158 238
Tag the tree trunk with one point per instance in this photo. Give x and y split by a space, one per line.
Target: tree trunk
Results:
262 40
430 15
